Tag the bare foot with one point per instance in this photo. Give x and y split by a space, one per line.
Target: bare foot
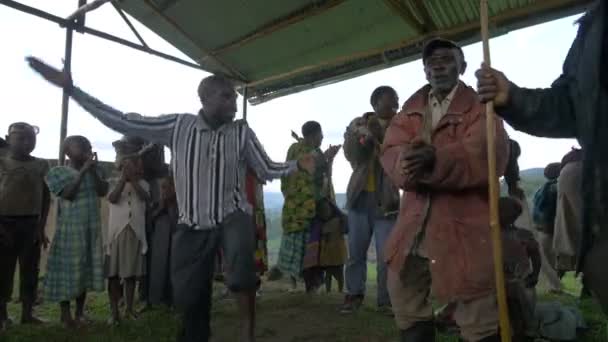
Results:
131 315
83 320
69 323
114 321
144 309
32 320
4 326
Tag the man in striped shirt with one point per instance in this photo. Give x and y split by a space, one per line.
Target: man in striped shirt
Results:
210 155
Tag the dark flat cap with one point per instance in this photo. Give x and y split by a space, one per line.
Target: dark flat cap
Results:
438 43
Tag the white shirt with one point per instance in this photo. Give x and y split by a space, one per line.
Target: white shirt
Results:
130 210
440 108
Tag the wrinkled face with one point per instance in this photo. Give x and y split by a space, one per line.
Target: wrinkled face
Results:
21 142
387 105
79 150
443 69
220 102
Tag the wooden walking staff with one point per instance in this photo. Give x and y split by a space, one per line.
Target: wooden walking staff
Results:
503 310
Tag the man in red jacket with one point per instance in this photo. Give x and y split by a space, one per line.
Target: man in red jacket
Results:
435 150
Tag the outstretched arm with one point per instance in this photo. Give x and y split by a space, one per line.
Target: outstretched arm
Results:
259 161
155 129
540 112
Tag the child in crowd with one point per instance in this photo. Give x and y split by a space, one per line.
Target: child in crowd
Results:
326 248
165 217
127 245
75 262
522 262
24 206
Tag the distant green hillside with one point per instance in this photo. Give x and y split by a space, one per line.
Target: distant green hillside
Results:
274 200
531 180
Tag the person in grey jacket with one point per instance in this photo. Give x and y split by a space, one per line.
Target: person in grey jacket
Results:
575 106
372 200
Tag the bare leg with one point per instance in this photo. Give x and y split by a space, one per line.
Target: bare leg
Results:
294 283
79 314
246 302
130 297
27 312
327 277
66 315
114 289
339 275
3 317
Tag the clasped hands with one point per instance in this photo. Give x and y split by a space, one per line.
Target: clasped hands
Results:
417 161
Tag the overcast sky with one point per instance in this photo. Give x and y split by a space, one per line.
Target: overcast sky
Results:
133 81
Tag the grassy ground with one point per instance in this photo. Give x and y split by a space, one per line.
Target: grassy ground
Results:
283 317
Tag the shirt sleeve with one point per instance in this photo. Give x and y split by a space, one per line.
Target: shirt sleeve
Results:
154 129
58 178
259 161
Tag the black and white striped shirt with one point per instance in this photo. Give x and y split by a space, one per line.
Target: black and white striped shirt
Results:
209 166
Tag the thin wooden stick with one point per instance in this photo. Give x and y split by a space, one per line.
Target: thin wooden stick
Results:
503 310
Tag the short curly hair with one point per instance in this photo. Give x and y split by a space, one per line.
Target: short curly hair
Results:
378 92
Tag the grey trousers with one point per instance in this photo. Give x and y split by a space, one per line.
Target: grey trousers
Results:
193 256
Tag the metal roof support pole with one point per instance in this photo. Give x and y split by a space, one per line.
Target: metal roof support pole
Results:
65 101
245 103
128 22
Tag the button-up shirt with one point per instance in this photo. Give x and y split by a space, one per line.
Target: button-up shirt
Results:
209 165
129 210
439 108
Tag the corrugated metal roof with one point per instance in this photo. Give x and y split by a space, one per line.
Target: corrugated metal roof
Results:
278 47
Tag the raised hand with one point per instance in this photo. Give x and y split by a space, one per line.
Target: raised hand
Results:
55 76
332 151
492 85
42 239
91 163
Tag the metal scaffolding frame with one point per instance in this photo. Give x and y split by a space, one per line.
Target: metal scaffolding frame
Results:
76 22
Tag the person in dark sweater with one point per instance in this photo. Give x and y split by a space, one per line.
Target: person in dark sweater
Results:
575 106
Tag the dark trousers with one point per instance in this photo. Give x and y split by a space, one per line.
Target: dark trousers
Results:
595 276
18 242
192 258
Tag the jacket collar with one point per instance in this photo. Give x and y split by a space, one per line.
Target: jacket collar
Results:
464 99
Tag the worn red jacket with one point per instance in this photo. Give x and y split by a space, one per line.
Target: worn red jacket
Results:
455 200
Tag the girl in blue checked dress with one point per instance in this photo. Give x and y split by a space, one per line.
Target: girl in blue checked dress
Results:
75 263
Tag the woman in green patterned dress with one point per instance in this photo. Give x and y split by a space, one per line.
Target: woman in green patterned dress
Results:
301 191
76 258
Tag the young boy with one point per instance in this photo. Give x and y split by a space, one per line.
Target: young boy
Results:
326 248
24 205
165 217
127 242
75 263
522 262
